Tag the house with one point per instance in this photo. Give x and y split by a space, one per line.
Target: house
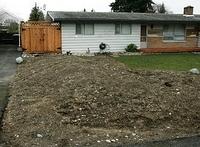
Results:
8 28
85 31
7 18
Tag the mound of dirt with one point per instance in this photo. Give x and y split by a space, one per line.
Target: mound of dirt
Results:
97 101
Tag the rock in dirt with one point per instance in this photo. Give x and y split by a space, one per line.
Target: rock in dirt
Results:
39 136
194 71
19 60
108 141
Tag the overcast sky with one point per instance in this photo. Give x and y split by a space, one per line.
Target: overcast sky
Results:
22 8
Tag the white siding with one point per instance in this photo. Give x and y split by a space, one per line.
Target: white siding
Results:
102 33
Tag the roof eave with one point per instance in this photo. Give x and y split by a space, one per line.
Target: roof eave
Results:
123 20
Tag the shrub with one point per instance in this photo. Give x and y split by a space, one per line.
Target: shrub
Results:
131 48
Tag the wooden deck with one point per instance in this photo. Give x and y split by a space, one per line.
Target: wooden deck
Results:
169 50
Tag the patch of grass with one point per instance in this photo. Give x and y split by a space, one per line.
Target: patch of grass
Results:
175 62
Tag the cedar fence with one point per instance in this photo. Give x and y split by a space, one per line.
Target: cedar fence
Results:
41 37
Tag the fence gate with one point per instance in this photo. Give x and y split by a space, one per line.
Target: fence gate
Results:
41 37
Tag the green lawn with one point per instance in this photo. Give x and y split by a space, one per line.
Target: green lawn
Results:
175 62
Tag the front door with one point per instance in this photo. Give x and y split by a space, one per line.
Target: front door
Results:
143 38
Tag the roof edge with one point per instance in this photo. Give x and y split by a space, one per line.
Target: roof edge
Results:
50 16
119 17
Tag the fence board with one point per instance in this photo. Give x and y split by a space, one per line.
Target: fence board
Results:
41 37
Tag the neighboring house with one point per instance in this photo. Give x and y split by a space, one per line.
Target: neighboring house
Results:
6 19
83 31
8 28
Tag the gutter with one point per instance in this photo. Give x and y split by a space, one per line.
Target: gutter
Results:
124 21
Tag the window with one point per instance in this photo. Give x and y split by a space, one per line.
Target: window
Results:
80 29
89 29
155 30
192 32
174 33
85 29
117 29
123 29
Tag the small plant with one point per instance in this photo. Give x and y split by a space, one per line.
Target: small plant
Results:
131 48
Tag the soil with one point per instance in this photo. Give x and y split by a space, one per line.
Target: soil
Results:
59 100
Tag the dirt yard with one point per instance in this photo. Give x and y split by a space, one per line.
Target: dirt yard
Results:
97 101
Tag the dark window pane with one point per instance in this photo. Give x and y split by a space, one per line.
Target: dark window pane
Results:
78 28
117 29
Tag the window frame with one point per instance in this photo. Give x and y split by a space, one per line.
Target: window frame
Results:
84 28
121 28
173 36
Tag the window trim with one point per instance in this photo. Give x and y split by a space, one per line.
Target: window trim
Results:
174 25
84 28
120 33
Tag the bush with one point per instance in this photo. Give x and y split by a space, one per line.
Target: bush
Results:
131 48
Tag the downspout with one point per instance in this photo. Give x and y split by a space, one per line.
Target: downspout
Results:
19 31
19 28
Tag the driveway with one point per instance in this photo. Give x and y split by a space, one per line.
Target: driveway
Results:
8 53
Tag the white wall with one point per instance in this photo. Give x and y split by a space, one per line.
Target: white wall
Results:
102 33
